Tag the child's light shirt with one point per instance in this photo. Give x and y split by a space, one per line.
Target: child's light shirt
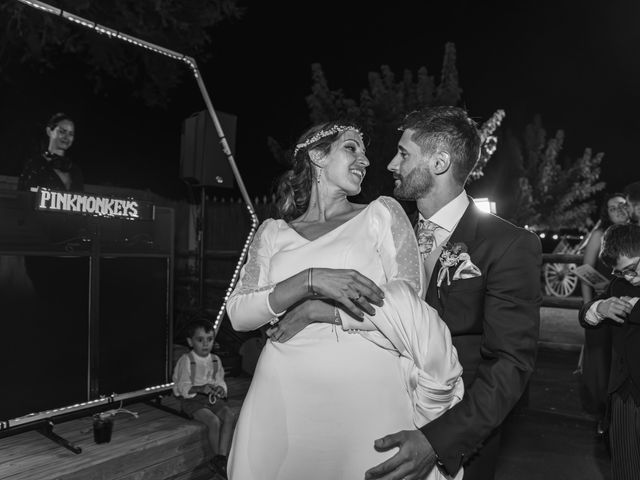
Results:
593 317
209 370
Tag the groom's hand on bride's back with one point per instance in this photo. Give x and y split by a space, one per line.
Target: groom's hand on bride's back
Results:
413 461
354 291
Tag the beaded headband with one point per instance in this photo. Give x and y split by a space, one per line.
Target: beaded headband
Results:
325 133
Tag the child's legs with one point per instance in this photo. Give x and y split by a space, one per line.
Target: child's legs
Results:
624 435
212 422
228 422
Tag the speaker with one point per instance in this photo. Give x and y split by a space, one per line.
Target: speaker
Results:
83 321
135 324
201 157
44 301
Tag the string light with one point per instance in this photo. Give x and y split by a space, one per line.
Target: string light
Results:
103 400
34 417
236 272
42 6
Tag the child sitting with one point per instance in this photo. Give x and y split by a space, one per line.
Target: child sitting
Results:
617 306
199 383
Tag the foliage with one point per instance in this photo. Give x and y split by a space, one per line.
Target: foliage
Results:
381 108
30 36
489 144
552 194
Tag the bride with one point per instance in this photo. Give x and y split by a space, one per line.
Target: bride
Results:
362 354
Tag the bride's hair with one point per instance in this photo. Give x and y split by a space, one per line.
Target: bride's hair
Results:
294 186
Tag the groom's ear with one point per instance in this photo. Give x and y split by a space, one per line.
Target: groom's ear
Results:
441 162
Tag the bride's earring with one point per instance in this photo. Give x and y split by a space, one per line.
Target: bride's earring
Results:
315 156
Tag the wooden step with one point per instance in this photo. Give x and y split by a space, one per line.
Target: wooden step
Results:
157 445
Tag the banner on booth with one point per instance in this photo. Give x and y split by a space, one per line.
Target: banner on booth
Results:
94 205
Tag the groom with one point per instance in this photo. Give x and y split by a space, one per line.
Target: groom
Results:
493 314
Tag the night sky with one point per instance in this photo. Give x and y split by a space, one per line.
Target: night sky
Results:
574 64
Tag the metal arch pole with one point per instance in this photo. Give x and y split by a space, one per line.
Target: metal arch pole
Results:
224 144
245 195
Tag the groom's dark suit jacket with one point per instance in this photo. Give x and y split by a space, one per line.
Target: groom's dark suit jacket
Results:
494 321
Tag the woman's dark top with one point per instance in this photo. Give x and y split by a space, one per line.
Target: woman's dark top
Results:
39 172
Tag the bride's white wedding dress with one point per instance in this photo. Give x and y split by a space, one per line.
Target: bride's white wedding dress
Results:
318 402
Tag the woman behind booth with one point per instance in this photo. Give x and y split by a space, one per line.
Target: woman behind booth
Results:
53 168
51 303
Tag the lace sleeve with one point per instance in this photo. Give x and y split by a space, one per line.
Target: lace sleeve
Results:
398 248
398 251
247 306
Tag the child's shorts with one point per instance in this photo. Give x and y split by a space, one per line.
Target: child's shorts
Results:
191 405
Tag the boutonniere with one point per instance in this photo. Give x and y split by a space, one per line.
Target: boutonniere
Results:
455 255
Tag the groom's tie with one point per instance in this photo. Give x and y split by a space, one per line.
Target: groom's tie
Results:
425 233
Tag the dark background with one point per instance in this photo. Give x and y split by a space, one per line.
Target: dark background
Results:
574 63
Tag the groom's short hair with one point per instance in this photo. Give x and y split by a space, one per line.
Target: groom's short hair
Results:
618 240
449 128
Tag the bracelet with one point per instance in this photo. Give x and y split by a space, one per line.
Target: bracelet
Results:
336 315
275 317
310 282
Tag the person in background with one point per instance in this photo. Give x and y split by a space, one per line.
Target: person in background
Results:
199 383
618 308
632 192
595 359
54 168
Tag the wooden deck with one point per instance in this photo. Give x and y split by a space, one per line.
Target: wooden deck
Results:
156 445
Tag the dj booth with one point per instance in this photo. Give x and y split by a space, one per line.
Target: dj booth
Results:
86 287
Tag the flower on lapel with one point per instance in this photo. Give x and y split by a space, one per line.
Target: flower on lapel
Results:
455 255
